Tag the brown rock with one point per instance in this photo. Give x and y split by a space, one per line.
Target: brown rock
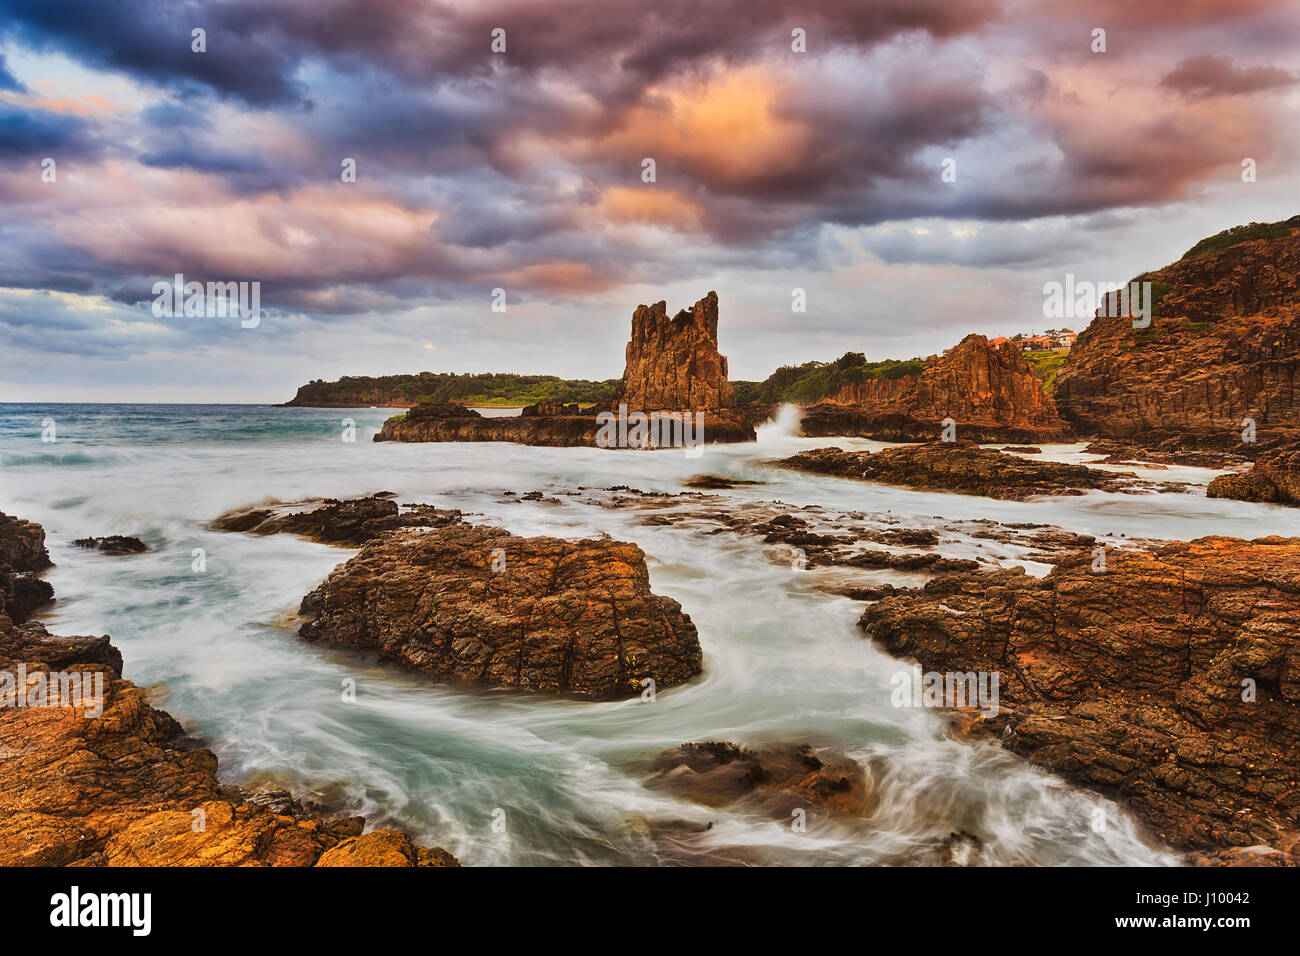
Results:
960 467
562 617
22 545
674 363
127 788
1274 478
113 544
775 780
22 557
1131 680
1223 346
990 391
384 848
353 521
565 431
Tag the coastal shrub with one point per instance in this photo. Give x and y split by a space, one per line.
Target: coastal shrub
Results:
814 381
1239 234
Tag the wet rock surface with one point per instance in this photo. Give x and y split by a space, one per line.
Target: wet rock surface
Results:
581 430
113 544
22 557
353 521
1274 478
772 780
1171 679
968 469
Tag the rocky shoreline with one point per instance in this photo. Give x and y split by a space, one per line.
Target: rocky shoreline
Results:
1192 718
1157 720
127 786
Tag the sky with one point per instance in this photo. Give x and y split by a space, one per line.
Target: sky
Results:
919 169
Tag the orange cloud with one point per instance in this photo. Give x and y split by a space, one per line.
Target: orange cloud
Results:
649 203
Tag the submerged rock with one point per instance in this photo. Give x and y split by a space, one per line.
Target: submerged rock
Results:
1171 679
775 780
479 606
113 544
352 521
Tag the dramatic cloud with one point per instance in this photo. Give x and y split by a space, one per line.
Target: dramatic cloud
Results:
965 142
1201 76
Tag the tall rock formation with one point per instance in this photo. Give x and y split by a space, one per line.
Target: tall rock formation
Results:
674 364
1223 346
989 390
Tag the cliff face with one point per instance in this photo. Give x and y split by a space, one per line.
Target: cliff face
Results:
1223 346
674 364
1134 680
22 557
991 391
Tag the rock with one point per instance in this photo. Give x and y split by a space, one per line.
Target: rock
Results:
550 408
1171 679
773 780
717 482
1274 478
384 848
22 557
128 788
351 522
673 366
674 363
990 391
960 467
22 545
1022 450
113 544
478 606
565 431
1223 346
439 411
1157 450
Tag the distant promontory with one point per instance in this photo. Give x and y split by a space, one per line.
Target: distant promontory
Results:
404 391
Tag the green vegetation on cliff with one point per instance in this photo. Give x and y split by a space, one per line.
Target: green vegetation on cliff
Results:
1047 363
814 381
468 389
1239 234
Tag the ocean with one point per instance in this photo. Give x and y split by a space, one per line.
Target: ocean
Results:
784 661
